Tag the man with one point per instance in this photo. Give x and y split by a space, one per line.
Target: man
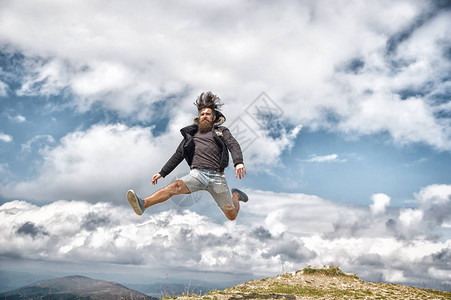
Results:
205 147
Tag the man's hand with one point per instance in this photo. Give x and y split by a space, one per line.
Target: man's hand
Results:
240 171
155 178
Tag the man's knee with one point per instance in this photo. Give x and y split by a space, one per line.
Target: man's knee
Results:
230 214
231 217
178 187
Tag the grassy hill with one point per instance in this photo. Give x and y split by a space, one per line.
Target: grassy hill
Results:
319 283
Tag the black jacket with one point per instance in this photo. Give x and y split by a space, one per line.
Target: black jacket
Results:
223 138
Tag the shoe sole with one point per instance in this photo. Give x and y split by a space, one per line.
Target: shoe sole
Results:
134 202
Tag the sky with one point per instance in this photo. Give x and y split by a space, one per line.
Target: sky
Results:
342 110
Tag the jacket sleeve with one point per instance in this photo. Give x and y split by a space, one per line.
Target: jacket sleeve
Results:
233 146
174 161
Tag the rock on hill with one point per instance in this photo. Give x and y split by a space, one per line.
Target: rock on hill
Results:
319 283
75 287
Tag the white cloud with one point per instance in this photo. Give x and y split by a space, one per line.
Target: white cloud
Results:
410 217
436 194
273 147
100 164
380 203
273 229
45 77
19 118
409 121
435 203
127 57
323 158
6 138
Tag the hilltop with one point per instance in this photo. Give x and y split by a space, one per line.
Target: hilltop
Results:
318 283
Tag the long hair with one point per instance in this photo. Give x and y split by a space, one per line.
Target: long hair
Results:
208 100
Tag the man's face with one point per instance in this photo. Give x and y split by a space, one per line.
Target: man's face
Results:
206 114
206 119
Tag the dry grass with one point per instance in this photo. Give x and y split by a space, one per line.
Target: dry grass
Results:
318 283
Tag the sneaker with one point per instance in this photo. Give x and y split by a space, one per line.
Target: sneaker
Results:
136 202
243 196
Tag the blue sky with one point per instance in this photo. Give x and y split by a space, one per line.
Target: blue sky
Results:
343 113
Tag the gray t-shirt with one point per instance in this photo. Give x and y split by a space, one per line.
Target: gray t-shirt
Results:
206 152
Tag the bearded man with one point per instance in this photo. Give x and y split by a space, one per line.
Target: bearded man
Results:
205 147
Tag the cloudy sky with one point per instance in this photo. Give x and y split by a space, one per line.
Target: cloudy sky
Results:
342 109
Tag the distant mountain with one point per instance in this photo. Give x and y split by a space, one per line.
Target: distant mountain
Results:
75 287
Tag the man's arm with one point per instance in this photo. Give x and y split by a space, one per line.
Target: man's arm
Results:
235 150
233 146
171 164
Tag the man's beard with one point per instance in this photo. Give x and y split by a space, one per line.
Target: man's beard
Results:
205 126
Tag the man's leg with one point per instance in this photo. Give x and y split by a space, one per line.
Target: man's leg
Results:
175 188
231 214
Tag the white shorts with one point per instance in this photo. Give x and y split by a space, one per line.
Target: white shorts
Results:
211 181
